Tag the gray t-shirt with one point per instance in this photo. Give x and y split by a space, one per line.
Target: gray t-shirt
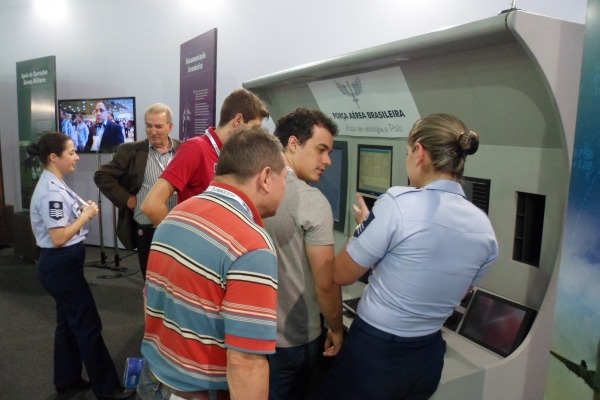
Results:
304 216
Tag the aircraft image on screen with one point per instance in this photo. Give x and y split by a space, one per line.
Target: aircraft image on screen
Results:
590 377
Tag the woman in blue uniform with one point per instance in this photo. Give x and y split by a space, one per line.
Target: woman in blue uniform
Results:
58 218
426 245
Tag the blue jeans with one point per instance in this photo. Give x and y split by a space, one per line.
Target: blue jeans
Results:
150 388
374 364
290 370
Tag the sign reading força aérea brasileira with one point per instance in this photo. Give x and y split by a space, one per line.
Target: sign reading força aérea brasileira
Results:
36 97
375 104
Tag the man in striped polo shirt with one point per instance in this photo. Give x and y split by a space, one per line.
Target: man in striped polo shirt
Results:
211 286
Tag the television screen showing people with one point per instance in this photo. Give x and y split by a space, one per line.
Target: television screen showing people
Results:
98 125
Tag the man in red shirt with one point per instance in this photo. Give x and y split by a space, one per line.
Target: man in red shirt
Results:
193 167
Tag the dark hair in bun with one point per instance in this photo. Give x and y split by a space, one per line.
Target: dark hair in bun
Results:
48 143
468 141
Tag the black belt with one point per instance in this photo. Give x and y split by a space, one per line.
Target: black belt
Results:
145 230
145 226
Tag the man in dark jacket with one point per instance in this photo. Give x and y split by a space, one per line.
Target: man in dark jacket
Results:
105 135
128 177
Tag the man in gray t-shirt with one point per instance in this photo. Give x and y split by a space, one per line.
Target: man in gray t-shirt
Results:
302 231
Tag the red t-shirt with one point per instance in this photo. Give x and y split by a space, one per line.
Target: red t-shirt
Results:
193 166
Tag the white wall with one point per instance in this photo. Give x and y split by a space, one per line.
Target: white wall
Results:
131 47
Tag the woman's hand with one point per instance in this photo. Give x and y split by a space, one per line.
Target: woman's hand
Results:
361 210
90 210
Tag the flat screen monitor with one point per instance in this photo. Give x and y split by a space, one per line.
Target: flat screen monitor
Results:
374 174
496 323
334 184
76 118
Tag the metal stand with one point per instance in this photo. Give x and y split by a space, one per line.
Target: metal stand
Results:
113 266
122 271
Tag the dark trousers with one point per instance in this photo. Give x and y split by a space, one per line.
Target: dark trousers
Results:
290 370
143 239
78 336
374 364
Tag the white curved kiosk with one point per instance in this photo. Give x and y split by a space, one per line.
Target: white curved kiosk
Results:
514 78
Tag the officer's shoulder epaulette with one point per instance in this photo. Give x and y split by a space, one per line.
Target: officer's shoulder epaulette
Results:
400 190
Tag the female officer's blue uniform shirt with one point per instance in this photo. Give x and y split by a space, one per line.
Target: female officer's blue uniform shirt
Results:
427 246
53 205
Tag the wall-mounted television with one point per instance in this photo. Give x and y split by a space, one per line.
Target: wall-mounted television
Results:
79 119
334 184
496 323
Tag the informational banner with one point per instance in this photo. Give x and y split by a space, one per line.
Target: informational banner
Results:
36 98
198 85
575 351
376 104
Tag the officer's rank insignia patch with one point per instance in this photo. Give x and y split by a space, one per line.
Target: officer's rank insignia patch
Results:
56 210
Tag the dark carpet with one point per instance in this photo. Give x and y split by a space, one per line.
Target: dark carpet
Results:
27 321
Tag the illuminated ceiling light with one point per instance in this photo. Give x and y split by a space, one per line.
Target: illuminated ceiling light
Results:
210 7
51 10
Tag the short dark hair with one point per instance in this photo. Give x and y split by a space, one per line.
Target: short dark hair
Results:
300 123
242 101
248 151
105 103
48 143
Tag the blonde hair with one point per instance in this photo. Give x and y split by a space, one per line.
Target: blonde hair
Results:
447 139
159 108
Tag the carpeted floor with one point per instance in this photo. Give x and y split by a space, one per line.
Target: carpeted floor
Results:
27 321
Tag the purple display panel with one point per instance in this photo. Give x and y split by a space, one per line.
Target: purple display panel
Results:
198 84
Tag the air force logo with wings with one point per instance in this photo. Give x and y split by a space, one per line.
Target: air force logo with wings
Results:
352 90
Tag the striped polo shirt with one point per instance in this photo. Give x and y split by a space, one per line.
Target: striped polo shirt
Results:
211 285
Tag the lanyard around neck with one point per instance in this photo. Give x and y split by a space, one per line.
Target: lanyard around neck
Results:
71 193
232 196
157 158
214 144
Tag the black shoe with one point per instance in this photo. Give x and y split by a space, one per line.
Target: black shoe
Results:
83 384
118 394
